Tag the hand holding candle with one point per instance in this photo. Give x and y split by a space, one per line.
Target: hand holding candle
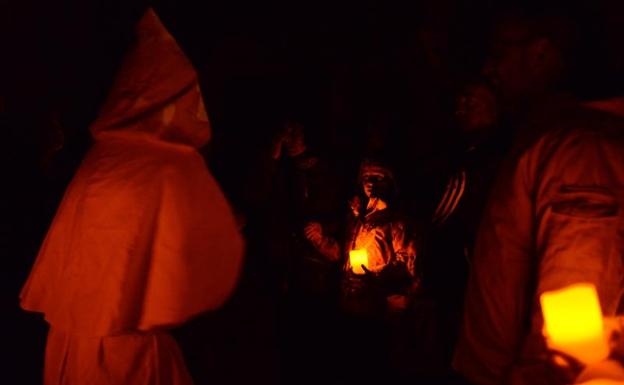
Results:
357 258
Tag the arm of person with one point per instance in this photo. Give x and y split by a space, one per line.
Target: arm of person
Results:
405 249
327 246
578 231
406 253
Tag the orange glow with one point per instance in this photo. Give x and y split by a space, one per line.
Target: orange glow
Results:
573 322
357 258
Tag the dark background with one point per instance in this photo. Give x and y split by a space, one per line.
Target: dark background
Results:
337 66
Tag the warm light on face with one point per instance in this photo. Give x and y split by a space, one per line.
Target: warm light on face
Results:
573 322
357 258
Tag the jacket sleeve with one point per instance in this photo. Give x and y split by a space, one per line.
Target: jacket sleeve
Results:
578 231
329 248
404 246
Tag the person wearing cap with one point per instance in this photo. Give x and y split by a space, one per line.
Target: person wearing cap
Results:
374 296
379 228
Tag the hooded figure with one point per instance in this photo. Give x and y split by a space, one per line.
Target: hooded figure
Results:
144 239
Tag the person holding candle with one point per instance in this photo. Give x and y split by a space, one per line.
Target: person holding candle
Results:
583 345
379 270
554 215
378 239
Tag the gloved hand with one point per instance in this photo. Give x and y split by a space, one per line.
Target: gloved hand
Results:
313 232
604 372
355 204
611 370
564 368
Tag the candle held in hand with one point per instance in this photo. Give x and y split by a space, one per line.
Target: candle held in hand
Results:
573 322
357 258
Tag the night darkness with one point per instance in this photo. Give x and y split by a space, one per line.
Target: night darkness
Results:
341 68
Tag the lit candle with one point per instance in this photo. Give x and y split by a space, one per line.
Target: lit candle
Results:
573 322
357 258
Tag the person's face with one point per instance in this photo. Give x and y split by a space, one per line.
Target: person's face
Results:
373 183
476 109
508 66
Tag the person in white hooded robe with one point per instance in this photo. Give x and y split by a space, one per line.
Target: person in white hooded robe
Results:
143 239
